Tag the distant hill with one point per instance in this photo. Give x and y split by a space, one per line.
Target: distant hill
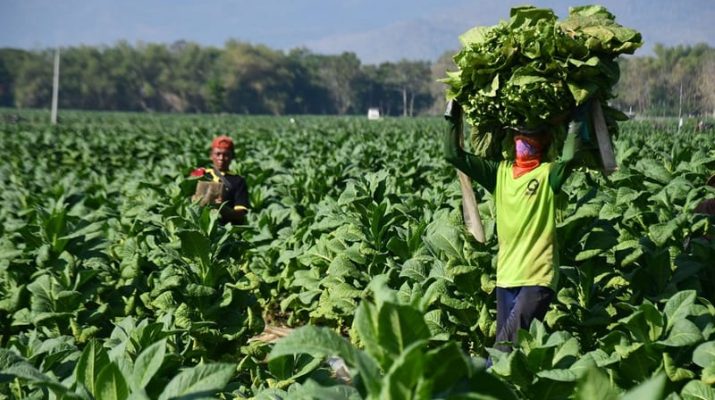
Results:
412 40
673 23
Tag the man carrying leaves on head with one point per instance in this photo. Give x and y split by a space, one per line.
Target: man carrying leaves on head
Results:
524 192
220 187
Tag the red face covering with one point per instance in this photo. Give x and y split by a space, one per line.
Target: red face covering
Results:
528 154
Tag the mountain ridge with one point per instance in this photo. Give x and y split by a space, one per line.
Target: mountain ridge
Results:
426 38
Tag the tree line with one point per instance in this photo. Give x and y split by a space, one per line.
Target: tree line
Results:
674 81
255 79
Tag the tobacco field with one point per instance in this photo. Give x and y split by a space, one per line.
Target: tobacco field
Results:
113 285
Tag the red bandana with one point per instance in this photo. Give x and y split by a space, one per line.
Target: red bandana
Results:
222 142
528 155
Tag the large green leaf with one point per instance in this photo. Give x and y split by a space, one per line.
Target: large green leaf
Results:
316 341
704 354
93 359
684 333
646 324
111 384
322 342
196 246
44 290
708 375
14 365
148 363
399 326
365 324
406 370
560 375
663 232
679 306
447 365
595 385
653 388
696 390
387 329
445 238
310 390
654 170
200 381
294 367
414 269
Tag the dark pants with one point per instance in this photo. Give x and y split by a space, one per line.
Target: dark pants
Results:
516 308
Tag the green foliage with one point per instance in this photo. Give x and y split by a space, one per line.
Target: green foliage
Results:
532 71
240 77
244 78
111 281
399 361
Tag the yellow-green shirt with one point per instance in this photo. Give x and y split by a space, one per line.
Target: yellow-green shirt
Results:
526 228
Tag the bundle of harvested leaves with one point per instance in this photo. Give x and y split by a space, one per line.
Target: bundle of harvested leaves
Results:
533 70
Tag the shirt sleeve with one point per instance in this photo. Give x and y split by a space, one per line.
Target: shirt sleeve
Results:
481 170
564 165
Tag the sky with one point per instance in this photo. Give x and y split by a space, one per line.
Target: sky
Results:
279 23
377 30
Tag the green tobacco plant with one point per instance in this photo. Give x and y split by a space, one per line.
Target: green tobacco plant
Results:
203 285
140 365
100 247
399 361
673 339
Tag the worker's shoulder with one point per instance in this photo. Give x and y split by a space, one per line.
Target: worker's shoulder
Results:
234 178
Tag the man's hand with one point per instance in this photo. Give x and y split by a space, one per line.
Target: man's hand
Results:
453 111
579 134
580 121
582 112
218 200
236 217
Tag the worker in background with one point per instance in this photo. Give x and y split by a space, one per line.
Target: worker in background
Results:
232 196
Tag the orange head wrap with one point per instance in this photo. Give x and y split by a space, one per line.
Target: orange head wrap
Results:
529 150
222 142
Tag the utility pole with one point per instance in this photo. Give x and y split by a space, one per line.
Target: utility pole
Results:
680 108
55 87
